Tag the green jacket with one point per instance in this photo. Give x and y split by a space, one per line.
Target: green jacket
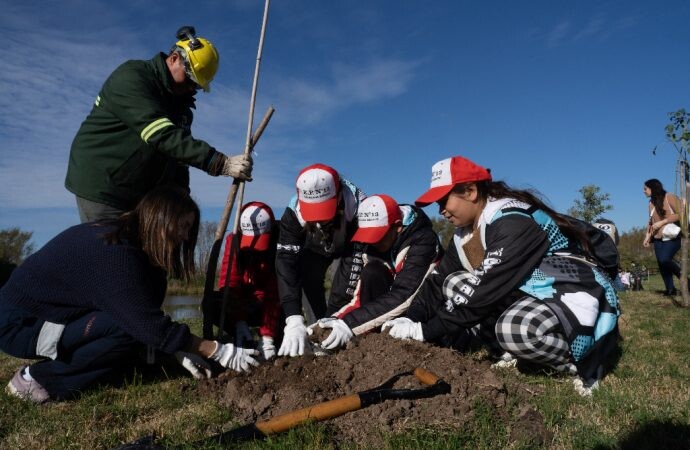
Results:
136 137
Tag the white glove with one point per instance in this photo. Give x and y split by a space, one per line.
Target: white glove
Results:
243 335
295 340
238 166
267 349
199 367
404 328
236 358
340 332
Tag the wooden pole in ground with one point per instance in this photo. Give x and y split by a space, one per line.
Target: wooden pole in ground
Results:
236 186
684 231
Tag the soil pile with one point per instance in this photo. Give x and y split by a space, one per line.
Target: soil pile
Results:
287 384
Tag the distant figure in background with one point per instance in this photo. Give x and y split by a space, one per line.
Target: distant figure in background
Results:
138 133
315 229
636 274
663 210
625 279
402 248
91 298
252 281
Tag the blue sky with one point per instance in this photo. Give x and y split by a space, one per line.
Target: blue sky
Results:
551 95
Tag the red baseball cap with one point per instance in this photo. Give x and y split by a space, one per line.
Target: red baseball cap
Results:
318 187
447 173
375 216
256 222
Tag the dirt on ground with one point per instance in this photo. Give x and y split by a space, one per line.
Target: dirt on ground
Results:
287 384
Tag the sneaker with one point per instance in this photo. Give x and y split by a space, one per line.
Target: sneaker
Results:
27 390
506 361
583 389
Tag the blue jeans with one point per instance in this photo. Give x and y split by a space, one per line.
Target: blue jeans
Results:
89 348
664 251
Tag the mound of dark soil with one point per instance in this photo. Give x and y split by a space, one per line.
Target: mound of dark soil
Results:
287 384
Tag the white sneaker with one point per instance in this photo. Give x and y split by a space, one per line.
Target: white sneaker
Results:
26 390
507 361
583 389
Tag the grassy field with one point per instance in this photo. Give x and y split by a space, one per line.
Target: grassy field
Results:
643 403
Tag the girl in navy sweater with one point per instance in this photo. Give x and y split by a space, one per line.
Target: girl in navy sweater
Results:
92 295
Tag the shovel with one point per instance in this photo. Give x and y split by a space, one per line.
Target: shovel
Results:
321 411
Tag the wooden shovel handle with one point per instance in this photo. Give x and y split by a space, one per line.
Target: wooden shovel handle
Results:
321 411
426 377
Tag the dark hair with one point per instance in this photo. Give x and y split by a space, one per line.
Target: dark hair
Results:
658 195
154 226
499 189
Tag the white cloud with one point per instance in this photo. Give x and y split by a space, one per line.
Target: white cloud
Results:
596 27
56 72
593 28
557 34
309 101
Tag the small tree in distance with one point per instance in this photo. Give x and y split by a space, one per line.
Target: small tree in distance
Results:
592 205
443 229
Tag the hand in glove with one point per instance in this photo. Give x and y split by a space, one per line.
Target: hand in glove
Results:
236 358
295 340
267 349
404 328
238 166
199 367
243 335
340 332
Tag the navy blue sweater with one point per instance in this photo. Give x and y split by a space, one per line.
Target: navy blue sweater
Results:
78 272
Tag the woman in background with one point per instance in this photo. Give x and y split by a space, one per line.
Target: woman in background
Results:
663 209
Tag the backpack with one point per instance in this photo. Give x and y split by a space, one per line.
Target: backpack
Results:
603 251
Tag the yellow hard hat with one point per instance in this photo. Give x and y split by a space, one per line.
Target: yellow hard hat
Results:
200 57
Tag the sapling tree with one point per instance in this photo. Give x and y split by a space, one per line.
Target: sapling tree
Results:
678 134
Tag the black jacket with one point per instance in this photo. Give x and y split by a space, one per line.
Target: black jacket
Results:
413 255
294 240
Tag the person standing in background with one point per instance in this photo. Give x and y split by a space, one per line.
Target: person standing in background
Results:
663 209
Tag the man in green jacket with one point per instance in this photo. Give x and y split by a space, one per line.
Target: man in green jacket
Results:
138 136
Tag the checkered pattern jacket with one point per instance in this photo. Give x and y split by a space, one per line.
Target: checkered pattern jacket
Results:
525 251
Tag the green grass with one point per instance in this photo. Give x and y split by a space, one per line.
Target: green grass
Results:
643 403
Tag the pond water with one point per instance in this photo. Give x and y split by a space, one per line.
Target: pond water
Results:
182 306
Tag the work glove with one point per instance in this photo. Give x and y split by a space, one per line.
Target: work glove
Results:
295 340
236 358
198 366
340 332
404 328
243 335
267 349
238 166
